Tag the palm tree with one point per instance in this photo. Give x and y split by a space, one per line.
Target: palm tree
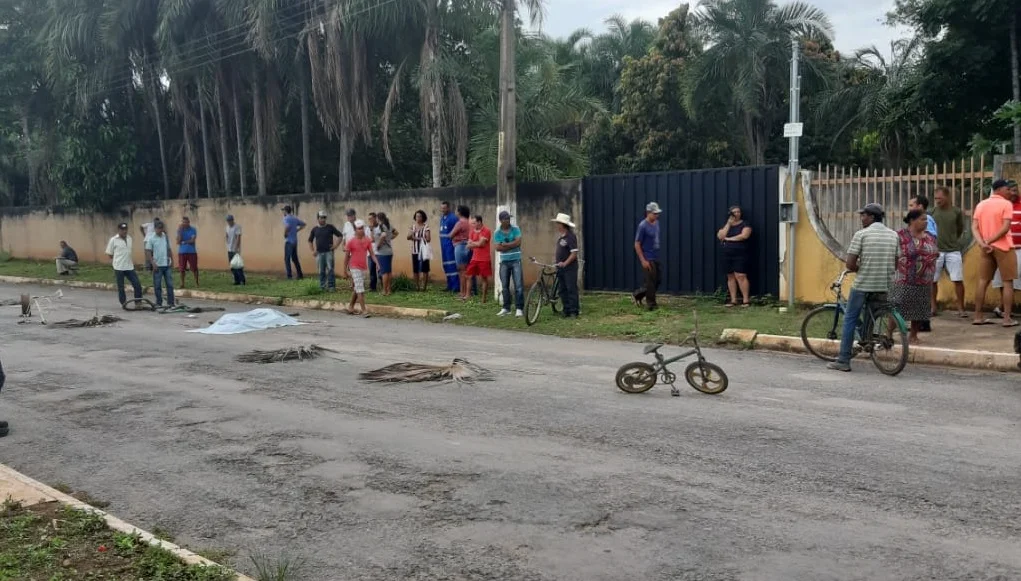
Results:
745 61
872 101
608 51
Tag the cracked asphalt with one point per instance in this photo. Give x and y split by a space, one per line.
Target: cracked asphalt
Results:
547 473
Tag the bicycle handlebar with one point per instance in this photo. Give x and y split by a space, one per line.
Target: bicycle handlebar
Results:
533 260
839 283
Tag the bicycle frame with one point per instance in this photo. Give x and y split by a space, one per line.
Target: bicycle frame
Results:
867 318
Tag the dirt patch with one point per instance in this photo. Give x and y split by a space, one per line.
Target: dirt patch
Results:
56 542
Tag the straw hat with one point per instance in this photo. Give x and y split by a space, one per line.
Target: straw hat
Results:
564 219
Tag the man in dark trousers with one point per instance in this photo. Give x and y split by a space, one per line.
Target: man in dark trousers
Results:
3 424
647 249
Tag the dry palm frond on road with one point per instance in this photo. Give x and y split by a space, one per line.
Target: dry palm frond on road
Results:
97 321
300 353
459 370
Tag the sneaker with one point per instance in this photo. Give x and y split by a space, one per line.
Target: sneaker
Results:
838 366
503 313
998 312
519 313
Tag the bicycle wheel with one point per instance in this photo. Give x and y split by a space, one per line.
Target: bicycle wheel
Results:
825 322
889 341
533 303
636 377
706 377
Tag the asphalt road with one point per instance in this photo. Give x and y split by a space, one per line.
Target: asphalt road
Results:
547 473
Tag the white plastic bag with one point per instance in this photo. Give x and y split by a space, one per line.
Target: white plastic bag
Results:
237 262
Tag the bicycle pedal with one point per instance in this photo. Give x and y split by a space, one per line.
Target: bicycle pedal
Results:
675 392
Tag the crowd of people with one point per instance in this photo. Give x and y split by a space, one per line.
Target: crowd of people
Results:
904 267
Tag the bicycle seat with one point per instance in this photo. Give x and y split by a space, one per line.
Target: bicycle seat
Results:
651 348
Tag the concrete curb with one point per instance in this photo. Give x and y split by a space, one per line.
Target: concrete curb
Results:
384 310
965 359
39 492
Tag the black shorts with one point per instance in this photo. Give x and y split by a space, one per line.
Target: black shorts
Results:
419 266
735 262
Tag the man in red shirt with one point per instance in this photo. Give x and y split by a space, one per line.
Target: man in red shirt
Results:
356 265
1015 235
481 264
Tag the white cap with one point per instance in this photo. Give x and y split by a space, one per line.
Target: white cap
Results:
321 214
359 224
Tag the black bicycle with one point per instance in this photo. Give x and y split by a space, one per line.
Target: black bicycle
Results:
639 376
545 290
881 332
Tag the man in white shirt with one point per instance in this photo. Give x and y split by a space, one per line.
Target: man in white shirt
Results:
119 251
147 230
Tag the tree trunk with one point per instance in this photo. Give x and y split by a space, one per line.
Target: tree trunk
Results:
346 140
437 157
207 157
506 179
222 112
260 145
25 129
150 88
306 155
1014 72
242 177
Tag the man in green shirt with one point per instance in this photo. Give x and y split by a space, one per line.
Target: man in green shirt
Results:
949 239
873 256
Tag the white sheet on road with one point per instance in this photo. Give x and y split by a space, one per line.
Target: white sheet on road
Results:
254 320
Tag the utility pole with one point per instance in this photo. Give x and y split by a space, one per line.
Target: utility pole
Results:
792 164
506 162
506 181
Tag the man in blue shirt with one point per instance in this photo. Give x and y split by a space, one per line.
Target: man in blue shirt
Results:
647 249
507 239
186 250
292 225
448 220
159 255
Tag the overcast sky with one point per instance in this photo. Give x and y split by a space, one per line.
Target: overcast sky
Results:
857 23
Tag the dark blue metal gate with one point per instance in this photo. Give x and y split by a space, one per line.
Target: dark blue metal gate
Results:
695 205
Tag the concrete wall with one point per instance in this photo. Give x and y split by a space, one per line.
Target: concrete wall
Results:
36 232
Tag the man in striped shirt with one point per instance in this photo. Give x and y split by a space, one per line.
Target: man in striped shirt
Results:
873 256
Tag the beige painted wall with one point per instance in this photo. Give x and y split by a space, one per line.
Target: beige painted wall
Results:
36 233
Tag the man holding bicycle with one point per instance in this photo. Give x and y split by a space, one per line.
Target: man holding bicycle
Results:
873 256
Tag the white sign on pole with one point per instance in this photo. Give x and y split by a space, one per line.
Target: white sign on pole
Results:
793 129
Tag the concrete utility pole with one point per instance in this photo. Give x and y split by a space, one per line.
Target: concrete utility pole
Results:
507 159
506 180
793 162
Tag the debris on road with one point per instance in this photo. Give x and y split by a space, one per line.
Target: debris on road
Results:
460 371
97 321
452 317
191 310
254 320
300 353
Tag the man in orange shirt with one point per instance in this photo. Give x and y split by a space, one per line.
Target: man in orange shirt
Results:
990 226
1015 236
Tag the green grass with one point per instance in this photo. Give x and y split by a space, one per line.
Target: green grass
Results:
604 315
57 543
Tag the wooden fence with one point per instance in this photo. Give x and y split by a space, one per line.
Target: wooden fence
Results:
838 193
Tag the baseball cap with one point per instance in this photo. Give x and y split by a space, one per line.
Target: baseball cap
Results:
230 217
359 224
653 207
505 215
122 226
872 208
321 214
1001 184
351 212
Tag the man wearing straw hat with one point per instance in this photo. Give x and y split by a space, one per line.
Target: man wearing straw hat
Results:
566 256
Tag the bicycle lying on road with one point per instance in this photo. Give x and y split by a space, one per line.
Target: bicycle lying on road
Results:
882 332
639 377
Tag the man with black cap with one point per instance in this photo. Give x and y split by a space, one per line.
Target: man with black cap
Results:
323 240
292 225
872 255
990 226
119 251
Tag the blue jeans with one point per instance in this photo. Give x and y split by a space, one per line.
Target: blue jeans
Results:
161 274
239 273
512 270
327 274
135 284
852 319
291 255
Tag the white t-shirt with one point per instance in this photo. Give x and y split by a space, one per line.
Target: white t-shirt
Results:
349 232
150 229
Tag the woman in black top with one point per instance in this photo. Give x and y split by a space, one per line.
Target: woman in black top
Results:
736 254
